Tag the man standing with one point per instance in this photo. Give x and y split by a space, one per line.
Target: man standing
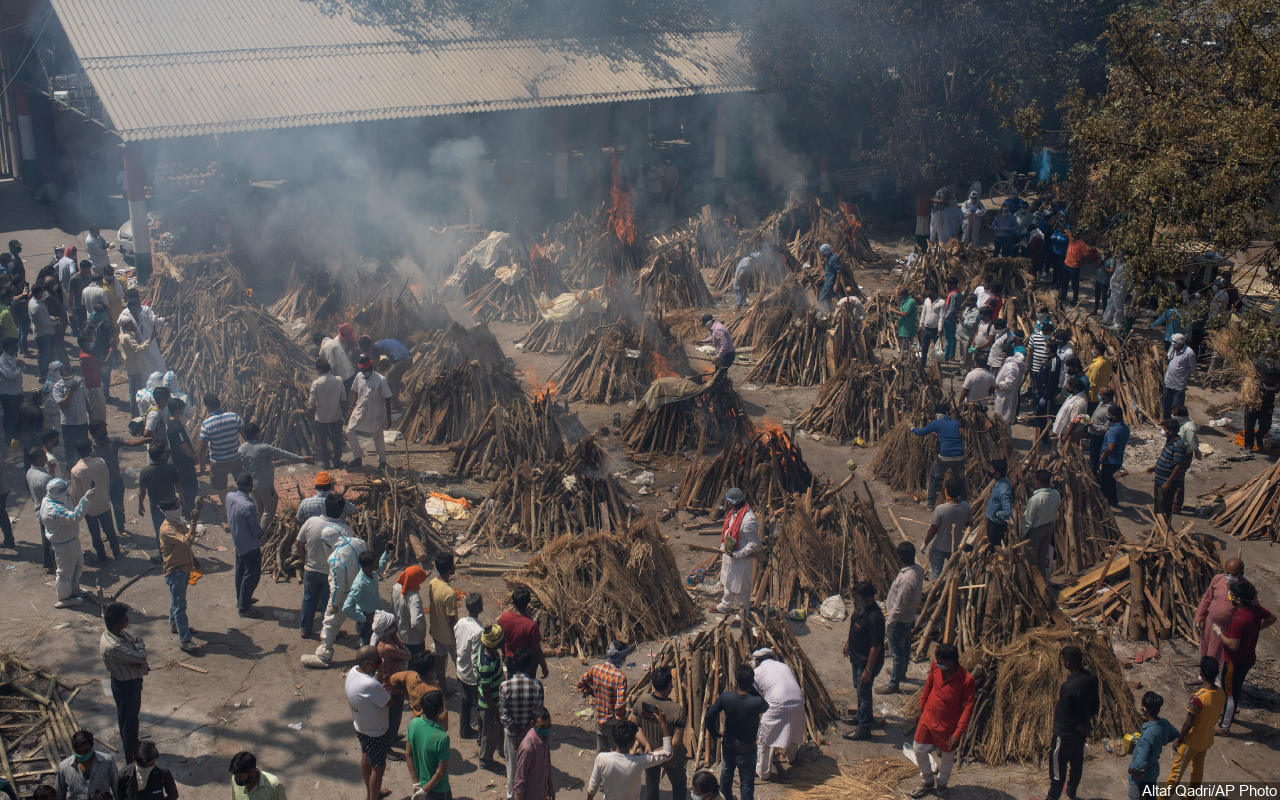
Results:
340 352
931 311
1196 736
369 413
618 773
103 340
143 780
1072 719
831 269
176 540
95 247
326 399
950 450
520 631
742 709
126 658
978 386
251 783
1001 345
90 472
946 706
246 535
720 339
10 387
533 762
1098 373
946 528
1144 766
1008 384
951 319
606 686
519 699
1039 519
344 566
369 701
944 220
1005 229
907 321
1067 421
644 712
739 540
1170 469
782 726
1099 424
73 410
1257 416
901 606
971 213
999 503
427 756
159 482
316 504
1216 608
37 484
488 683
1182 362
220 444
1239 645
467 633
86 774
865 650
147 324
45 328
259 460
61 524
1113 314
1111 453
317 537
443 615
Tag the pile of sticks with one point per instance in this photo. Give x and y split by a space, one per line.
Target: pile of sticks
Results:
703 665
600 306
798 355
852 339
985 597
454 401
534 503
278 538
1139 380
36 724
807 559
711 418
524 430
670 278
767 467
315 297
392 511
618 362
865 401
513 296
1017 686
396 313
873 549
905 459
593 588
1150 592
595 251
450 347
1252 509
768 316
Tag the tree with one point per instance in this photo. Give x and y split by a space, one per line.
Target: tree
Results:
1181 153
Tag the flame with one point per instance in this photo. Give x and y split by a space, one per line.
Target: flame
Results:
622 212
661 367
544 393
851 221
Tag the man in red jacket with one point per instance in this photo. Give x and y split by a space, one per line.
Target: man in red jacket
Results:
945 708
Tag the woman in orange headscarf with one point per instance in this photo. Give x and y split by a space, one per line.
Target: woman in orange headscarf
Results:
406 602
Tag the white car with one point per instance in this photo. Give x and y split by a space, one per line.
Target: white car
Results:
124 241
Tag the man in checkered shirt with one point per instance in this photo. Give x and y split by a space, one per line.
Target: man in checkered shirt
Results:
606 685
519 698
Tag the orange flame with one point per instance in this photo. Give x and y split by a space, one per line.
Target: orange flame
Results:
662 367
851 221
622 211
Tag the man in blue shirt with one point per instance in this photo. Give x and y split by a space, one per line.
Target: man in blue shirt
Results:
950 450
831 270
1113 444
246 536
999 504
1144 767
1058 242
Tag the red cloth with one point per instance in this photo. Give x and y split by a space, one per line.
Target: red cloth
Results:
412 578
732 527
1214 607
519 633
947 705
89 371
1245 624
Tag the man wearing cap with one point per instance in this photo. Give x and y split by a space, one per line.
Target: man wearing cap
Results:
370 412
831 269
720 339
489 677
146 322
784 723
606 685
339 351
1182 362
314 505
739 540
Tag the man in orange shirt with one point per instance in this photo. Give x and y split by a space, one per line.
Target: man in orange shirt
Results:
945 708
1078 254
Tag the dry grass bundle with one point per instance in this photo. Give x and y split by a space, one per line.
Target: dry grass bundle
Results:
590 589
769 314
450 406
798 354
865 401
1225 343
865 779
768 467
535 503
985 598
524 430
713 417
1252 509
618 362
1173 571
703 664
1017 686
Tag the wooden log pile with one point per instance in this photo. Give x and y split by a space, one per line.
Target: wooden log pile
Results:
600 307
278 538
767 467
523 430
451 405
511 295
880 326
36 724
450 347
598 247
865 401
1166 576
852 339
1017 686
712 418
874 549
314 297
391 510
535 503
986 597
1252 509
593 588
798 355
395 312
769 314
1139 380
670 278
905 459
618 362
703 666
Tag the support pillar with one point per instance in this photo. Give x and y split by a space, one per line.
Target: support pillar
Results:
30 169
560 159
136 190
720 143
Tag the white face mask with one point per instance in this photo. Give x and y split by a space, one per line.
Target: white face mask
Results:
1042 317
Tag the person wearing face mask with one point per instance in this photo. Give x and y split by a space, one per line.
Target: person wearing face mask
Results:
176 540
86 772
739 541
250 783
704 786
125 657
143 780
946 706
147 323
533 761
1216 609
61 524
370 411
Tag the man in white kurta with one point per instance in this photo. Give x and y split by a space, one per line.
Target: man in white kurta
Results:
146 321
739 540
783 724
369 413
1008 383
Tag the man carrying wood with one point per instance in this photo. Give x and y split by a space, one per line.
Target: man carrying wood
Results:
946 706
783 725
950 449
739 540
1038 521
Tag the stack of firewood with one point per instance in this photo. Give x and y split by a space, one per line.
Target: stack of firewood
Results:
1139 380
1252 509
767 467
399 314
450 406
670 278
511 295
710 418
798 355
864 401
769 314
852 338
618 362
905 459
523 430
1152 590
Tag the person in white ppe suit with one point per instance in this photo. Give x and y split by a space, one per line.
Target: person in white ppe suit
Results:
944 218
739 541
971 213
1120 285
61 524
344 565
783 725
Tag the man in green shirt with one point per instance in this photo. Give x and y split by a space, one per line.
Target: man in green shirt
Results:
251 783
906 314
428 750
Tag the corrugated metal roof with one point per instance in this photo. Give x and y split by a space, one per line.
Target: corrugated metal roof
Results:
169 68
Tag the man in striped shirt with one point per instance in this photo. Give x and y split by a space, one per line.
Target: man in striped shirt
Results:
220 444
1170 468
1038 346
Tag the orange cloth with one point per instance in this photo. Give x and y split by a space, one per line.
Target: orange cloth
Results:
947 705
1078 252
412 579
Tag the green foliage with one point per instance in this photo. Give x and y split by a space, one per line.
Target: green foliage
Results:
1182 151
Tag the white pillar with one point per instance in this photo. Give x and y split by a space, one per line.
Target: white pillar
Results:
136 189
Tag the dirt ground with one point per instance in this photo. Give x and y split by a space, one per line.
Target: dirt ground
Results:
247 689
